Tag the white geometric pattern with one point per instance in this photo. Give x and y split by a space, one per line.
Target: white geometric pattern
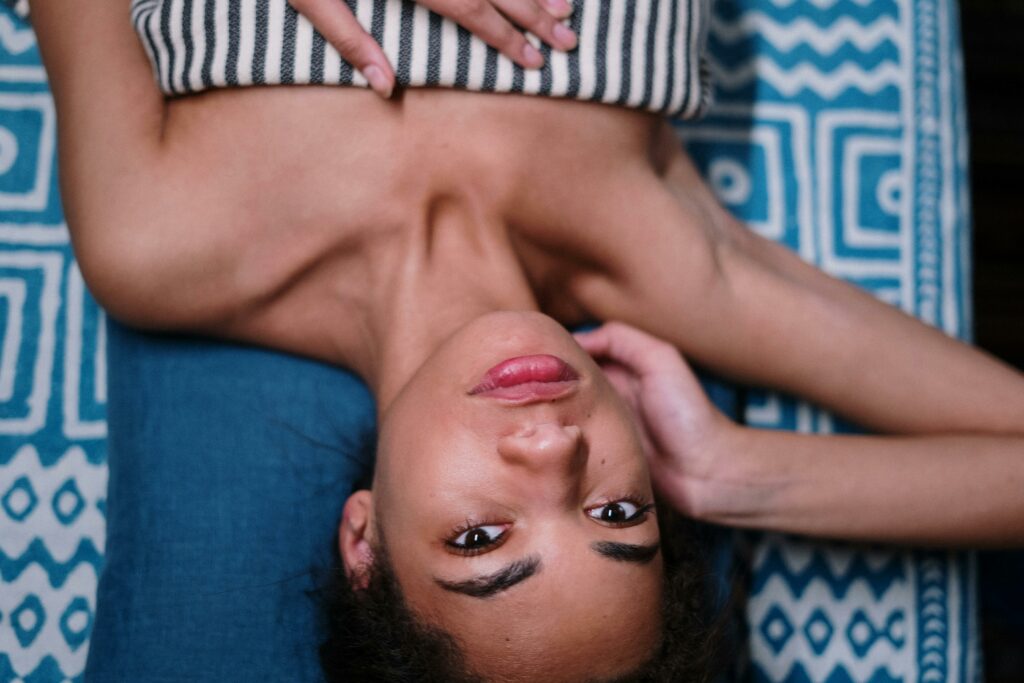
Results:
838 132
77 368
53 473
871 187
26 414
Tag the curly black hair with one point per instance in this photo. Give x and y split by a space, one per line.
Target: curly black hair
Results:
373 636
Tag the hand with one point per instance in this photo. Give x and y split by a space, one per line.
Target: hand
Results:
499 23
682 430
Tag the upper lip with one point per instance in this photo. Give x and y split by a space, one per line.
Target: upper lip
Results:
527 379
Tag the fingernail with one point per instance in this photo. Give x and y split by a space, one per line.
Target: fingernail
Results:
560 8
532 56
565 36
378 81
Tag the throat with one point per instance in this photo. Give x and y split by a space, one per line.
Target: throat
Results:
431 283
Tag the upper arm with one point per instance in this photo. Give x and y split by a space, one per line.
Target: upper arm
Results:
109 109
753 311
116 186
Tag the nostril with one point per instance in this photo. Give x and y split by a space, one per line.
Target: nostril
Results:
526 432
545 443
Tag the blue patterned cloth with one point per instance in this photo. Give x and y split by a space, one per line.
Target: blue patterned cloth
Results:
838 130
53 474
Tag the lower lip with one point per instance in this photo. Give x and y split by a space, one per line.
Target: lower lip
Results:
540 377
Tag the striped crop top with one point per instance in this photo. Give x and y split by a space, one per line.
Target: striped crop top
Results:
644 54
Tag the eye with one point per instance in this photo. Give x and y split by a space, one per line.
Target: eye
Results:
478 539
620 513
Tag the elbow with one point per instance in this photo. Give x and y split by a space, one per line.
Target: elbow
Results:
133 273
120 276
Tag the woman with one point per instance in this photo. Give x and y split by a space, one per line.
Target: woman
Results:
416 241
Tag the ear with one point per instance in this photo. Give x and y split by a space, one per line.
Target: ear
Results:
356 537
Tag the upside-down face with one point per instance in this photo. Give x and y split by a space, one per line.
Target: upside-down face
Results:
515 501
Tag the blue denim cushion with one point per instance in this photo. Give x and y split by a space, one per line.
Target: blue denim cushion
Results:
228 470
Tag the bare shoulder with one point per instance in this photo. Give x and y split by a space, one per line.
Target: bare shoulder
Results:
160 253
663 239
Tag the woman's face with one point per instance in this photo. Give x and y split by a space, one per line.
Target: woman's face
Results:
515 503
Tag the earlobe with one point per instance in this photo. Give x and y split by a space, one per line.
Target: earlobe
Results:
356 537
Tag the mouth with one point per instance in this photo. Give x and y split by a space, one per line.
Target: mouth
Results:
526 379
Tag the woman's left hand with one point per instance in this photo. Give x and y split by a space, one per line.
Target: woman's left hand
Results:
502 24
681 428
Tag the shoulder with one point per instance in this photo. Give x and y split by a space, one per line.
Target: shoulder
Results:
160 254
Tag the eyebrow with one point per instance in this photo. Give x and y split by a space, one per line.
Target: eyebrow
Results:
516 572
492 584
626 552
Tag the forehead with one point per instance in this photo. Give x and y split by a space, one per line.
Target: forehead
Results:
581 617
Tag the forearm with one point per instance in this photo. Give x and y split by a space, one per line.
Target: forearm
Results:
836 345
753 311
936 490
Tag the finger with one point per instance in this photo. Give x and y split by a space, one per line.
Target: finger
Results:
625 385
628 346
534 17
480 18
558 8
336 23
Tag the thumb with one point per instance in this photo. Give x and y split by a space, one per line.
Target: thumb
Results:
637 351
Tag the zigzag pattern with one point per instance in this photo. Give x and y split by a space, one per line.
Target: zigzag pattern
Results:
820 4
57 572
880 579
778 37
824 39
51 455
799 674
816 613
807 77
48 671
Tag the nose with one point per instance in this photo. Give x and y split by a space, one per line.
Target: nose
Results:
547 447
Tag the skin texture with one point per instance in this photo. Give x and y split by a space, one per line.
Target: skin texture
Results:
535 470
378 243
966 487
362 258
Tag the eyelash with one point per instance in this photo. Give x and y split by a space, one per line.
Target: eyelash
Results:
643 510
469 525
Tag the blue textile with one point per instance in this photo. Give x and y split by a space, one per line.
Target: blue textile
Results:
229 467
53 472
838 131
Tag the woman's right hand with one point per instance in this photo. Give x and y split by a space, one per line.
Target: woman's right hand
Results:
683 432
502 24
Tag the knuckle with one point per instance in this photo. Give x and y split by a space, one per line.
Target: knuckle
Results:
351 44
507 38
466 10
531 15
514 42
663 350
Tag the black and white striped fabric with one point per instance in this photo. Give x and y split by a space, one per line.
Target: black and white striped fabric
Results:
643 54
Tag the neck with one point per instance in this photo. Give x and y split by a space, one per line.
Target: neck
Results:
428 284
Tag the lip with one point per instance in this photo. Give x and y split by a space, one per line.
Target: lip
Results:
525 379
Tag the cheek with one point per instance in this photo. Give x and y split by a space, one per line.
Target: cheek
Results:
425 492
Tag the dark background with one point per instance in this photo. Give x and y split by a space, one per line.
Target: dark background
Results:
993 38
